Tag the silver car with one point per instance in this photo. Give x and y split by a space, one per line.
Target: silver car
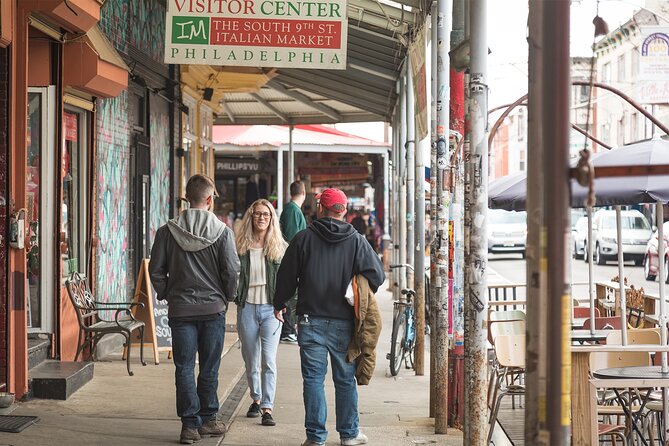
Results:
507 231
579 233
636 232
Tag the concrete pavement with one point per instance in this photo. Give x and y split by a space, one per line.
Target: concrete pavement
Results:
116 409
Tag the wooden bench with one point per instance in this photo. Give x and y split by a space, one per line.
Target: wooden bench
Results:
93 326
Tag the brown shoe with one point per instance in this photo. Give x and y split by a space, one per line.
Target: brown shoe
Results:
213 428
189 435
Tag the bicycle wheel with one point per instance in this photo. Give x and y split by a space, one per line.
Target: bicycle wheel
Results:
397 343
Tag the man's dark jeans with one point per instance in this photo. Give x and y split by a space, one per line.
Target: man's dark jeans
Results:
289 318
197 403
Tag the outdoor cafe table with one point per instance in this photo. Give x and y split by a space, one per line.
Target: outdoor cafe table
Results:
588 336
584 389
645 377
578 322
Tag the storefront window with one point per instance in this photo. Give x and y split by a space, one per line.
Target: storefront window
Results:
33 177
73 204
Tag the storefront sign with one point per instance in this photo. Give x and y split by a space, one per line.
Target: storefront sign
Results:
257 33
238 166
70 127
654 65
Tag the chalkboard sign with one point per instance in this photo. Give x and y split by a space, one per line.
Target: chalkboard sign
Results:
157 332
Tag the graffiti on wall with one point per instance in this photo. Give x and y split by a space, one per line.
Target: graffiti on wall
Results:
114 23
160 171
148 30
112 188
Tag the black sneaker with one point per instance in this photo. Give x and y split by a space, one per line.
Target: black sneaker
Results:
254 410
267 419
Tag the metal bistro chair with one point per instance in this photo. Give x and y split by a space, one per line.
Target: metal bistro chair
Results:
582 312
498 328
510 353
92 326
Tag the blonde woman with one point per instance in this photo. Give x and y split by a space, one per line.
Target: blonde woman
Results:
260 246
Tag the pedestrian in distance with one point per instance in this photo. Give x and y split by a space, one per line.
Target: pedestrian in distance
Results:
260 246
320 263
292 221
195 268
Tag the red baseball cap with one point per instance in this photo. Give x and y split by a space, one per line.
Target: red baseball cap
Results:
333 199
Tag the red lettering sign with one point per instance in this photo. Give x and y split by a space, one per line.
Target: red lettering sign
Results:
275 33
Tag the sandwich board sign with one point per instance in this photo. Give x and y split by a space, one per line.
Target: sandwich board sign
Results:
257 33
157 332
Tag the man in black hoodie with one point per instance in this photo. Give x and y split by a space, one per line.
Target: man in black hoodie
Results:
320 263
194 266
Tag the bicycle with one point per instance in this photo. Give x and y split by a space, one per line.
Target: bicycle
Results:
404 331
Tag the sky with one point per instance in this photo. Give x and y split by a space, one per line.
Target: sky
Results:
507 63
507 35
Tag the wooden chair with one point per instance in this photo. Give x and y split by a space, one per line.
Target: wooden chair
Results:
603 323
93 326
582 312
510 354
508 315
501 328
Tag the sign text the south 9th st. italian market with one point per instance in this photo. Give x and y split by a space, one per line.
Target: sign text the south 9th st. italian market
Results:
257 33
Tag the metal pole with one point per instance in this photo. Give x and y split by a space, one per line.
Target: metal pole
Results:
402 190
386 197
279 180
556 94
456 264
591 273
535 358
394 227
419 259
663 307
476 199
621 274
433 201
440 241
410 172
291 155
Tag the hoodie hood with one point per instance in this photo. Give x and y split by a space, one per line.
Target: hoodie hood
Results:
332 230
196 229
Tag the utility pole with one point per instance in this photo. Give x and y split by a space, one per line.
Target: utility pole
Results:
402 190
476 210
457 124
410 171
555 65
433 200
440 241
419 258
535 380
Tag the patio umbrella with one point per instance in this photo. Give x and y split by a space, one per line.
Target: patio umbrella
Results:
510 192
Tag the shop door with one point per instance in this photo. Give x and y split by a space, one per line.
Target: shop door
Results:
41 209
140 204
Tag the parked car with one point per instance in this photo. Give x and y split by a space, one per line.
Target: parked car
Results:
579 233
507 231
636 232
651 264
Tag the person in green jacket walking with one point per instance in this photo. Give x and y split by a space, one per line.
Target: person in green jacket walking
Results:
292 221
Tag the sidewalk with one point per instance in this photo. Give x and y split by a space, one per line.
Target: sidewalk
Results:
116 409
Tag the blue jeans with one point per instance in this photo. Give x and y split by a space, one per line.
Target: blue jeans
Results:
318 338
259 332
197 403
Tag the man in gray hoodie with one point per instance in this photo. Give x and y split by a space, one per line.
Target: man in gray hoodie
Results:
194 266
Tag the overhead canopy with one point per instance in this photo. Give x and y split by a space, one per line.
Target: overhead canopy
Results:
306 138
378 35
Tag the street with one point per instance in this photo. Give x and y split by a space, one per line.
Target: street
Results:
510 268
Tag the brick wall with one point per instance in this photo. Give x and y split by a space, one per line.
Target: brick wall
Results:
4 165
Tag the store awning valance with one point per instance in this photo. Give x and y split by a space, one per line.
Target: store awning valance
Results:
93 65
76 16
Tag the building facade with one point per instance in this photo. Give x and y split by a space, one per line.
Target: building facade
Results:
618 64
90 115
